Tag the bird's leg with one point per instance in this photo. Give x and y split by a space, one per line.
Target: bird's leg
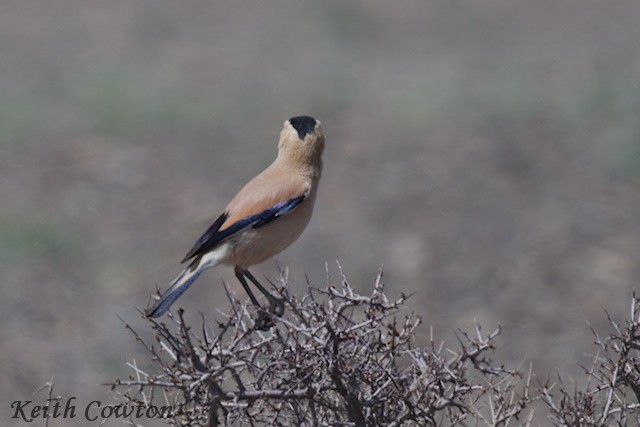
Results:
264 321
277 305
240 275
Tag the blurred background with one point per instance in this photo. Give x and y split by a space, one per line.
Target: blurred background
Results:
487 153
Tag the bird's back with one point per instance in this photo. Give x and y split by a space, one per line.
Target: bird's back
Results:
275 185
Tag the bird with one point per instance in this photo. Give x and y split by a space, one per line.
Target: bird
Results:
264 218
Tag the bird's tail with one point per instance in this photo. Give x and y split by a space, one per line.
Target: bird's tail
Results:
177 288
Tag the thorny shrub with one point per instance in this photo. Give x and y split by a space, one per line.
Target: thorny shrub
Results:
343 359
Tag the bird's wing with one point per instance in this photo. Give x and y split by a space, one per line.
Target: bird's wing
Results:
212 233
261 201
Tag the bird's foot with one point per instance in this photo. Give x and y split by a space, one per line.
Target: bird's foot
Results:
266 318
276 307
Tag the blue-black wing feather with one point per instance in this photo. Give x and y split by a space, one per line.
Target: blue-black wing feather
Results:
206 236
275 211
213 236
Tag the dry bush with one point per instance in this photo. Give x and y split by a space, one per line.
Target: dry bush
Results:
612 393
340 358
335 358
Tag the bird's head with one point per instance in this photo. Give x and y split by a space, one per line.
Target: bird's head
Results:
301 140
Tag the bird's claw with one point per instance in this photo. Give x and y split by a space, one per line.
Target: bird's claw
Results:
277 307
266 319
